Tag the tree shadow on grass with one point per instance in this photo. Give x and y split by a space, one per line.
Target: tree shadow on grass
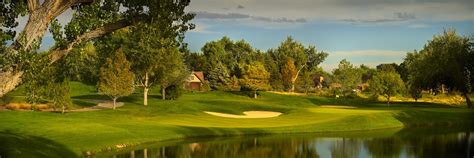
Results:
360 102
92 97
435 118
18 145
83 103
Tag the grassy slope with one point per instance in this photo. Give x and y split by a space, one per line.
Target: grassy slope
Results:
162 120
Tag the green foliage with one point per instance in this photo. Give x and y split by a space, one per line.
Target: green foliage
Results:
366 73
218 77
9 12
415 92
205 86
83 64
386 83
173 92
116 79
288 72
347 76
445 60
46 83
254 77
58 93
58 34
221 61
171 70
305 59
36 76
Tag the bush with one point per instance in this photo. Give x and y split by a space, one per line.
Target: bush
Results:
174 92
26 106
205 86
5 100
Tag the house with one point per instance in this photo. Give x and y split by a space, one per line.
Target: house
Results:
194 81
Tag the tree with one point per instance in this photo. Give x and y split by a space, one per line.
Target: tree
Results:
254 77
149 49
116 79
218 76
305 58
225 54
386 83
288 72
414 91
59 94
271 64
346 75
171 71
47 83
447 60
92 19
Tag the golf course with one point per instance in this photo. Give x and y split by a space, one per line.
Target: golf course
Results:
87 132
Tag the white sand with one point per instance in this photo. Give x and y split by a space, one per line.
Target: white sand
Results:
247 114
338 106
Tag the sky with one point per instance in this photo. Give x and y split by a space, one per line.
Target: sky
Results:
367 32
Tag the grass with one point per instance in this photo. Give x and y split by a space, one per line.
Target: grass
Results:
76 132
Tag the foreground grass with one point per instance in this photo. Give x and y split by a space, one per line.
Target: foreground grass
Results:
133 124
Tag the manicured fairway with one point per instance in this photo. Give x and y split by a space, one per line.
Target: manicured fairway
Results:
133 123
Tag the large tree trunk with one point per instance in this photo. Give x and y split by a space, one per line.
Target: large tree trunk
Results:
255 94
9 80
40 15
145 90
468 100
38 21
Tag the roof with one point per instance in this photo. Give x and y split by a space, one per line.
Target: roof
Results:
199 75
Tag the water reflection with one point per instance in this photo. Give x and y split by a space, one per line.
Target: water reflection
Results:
402 144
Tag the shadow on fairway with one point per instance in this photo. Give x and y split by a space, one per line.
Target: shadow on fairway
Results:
18 145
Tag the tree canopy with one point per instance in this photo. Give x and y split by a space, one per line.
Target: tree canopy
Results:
116 79
91 20
447 60
386 83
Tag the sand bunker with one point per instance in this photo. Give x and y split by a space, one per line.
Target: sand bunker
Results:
247 114
338 106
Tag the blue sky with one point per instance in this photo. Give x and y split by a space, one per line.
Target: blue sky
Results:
363 31
366 32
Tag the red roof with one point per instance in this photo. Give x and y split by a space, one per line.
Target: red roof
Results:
199 75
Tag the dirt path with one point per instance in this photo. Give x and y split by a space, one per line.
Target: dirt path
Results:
100 106
247 114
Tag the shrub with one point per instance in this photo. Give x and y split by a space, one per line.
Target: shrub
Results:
173 92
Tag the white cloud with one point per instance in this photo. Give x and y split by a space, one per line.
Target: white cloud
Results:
202 28
367 10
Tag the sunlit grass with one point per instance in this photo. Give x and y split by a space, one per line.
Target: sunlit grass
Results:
162 120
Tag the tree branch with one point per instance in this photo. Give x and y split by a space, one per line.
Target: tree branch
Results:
98 32
32 5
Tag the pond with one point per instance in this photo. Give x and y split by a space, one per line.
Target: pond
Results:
413 142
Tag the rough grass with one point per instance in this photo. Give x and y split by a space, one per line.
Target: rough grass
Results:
132 124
